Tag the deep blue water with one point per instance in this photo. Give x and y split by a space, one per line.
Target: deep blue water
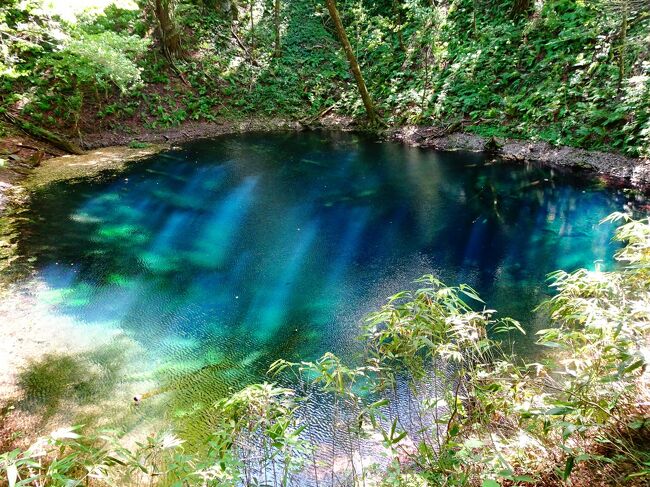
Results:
226 254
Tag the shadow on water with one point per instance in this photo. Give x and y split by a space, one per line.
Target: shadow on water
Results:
226 254
92 389
82 378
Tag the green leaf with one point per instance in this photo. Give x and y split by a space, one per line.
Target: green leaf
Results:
637 424
568 467
559 411
523 478
473 443
634 366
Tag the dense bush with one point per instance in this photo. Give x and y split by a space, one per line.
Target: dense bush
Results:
565 71
96 61
51 66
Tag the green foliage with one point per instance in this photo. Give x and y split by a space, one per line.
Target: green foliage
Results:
268 411
566 72
96 61
136 144
53 70
500 420
415 329
553 75
66 457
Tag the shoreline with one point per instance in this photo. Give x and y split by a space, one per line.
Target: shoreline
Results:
616 169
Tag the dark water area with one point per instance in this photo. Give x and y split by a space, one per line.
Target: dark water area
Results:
223 255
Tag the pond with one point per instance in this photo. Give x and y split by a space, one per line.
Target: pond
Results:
223 255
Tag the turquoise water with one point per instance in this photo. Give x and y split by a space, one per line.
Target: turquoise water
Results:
223 255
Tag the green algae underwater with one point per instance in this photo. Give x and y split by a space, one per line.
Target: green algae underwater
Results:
216 258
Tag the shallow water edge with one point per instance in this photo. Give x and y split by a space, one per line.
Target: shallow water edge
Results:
617 169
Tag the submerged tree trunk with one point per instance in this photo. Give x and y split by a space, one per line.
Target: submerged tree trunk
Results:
276 25
170 38
352 60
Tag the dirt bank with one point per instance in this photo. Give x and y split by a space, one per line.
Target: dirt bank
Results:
88 164
615 168
23 158
188 131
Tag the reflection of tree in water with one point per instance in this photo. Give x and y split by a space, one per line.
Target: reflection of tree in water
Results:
520 221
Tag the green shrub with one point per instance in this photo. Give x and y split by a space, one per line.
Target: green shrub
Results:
97 61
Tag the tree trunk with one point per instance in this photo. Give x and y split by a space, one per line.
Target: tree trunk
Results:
170 38
41 134
234 10
252 12
474 7
399 21
623 45
352 60
276 22
521 7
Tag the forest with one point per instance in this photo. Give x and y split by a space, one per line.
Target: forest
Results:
215 311
567 72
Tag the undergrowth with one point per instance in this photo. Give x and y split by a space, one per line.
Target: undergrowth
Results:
574 73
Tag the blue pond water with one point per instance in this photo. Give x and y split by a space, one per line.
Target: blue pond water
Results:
226 254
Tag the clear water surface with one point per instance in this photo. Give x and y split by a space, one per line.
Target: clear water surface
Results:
223 255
